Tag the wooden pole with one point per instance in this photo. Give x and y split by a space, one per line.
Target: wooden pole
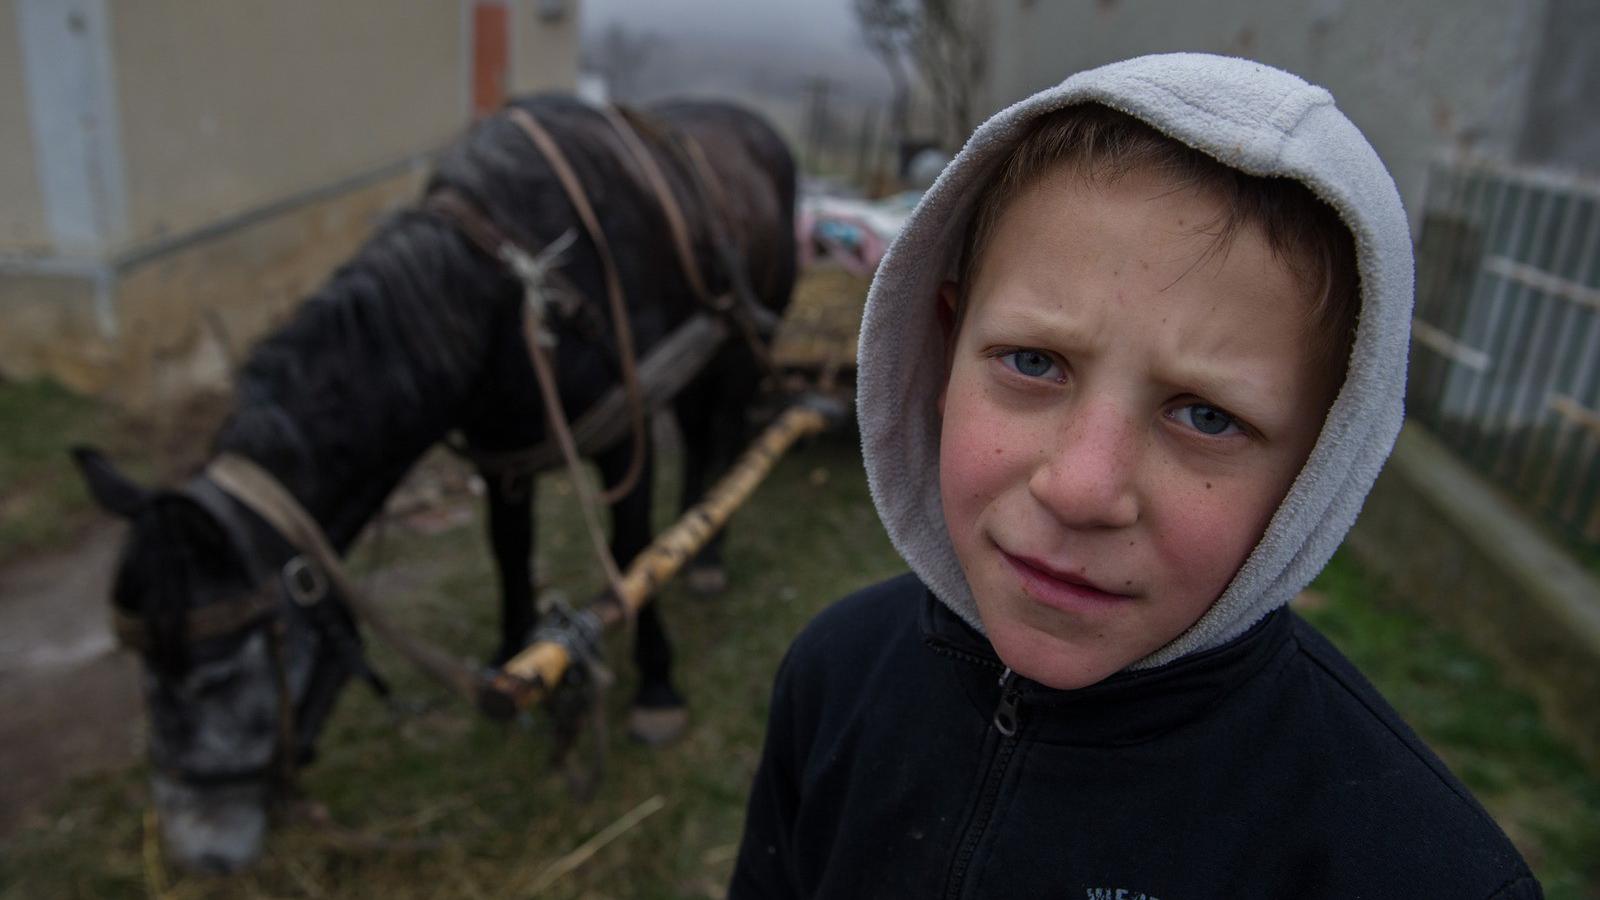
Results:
529 676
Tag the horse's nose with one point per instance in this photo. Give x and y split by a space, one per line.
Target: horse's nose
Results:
213 829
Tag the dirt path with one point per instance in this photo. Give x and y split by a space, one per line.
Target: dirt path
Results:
69 698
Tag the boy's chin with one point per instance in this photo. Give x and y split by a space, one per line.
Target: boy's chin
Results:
1058 663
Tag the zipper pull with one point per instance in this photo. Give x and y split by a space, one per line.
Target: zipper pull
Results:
1005 715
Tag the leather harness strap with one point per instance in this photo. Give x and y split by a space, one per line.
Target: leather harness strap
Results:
465 216
497 245
740 305
745 305
201 623
656 181
619 313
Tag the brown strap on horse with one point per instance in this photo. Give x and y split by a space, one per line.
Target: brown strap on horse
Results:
546 377
465 216
201 623
630 377
740 304
483 233
656 181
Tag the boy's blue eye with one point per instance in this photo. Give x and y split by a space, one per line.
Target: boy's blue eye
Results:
1206 419
1031 363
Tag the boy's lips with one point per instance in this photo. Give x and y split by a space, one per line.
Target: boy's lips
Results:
1055 588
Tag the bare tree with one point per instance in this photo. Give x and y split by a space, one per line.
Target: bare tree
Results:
947 41
886 27
952 50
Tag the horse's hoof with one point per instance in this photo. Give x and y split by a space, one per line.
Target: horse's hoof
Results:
658 725
708 580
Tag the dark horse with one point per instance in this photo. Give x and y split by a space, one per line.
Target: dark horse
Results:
419 335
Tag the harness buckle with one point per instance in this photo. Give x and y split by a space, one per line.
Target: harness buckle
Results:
305 582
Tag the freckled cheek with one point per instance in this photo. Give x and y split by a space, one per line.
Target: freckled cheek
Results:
979 459
976 444
1203 535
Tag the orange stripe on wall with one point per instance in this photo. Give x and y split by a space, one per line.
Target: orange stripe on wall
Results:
491 56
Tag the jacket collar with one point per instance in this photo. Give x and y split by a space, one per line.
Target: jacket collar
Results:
1129 707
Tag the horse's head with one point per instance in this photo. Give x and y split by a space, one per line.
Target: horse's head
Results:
241 663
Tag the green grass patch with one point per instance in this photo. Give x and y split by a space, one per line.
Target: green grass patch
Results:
1491 735
43 502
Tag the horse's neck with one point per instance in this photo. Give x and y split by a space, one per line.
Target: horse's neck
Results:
339 416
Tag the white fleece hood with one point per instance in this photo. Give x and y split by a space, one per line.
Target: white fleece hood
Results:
1249 116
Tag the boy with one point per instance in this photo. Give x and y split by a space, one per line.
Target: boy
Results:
1125 378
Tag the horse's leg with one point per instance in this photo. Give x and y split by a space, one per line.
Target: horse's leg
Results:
710 416
511 536
659 714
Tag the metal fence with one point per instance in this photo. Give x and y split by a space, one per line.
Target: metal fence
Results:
1505 352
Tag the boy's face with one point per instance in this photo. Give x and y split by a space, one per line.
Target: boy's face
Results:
1123 415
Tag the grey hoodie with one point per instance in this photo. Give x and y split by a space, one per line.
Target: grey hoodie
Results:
1249 116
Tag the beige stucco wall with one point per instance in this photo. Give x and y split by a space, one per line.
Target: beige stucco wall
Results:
544 53
231 104
185 316
1415 78
256 148
22 218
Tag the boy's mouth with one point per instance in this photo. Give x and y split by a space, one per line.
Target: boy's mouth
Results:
1062 590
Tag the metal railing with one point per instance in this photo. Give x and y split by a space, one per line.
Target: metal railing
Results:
1505 350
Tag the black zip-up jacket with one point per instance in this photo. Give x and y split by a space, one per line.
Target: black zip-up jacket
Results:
903 760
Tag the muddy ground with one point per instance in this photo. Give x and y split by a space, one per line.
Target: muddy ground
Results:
70 695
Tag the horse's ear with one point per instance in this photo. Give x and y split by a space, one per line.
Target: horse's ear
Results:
110 488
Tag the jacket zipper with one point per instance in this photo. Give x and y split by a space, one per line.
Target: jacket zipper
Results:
1005 720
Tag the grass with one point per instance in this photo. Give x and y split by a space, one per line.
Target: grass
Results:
43 502
500 817
1491 735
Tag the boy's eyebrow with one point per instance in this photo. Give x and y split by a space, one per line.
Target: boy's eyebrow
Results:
1238 389
1031 321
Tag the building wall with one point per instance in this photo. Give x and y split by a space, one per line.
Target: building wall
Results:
1416 78
233 104
22 221
544 54
217 160
1562 127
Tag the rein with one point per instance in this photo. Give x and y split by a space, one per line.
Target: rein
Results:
534 330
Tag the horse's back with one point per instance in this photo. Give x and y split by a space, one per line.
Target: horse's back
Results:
759 174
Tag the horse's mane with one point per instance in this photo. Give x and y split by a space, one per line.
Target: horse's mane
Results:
402 324
385 346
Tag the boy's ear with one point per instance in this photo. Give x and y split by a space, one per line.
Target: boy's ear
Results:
945 307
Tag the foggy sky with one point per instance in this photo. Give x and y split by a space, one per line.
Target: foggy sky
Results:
829 25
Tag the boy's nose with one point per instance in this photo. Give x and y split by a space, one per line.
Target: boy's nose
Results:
1088 478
